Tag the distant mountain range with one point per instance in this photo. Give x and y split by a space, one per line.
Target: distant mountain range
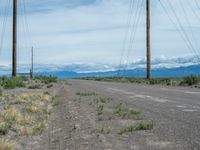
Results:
161 67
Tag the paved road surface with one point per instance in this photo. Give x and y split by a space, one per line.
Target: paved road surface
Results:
175 111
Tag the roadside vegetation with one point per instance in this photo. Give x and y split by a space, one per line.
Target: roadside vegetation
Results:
24 113
192 80
23 82
114 117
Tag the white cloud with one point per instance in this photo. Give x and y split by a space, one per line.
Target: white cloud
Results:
93 31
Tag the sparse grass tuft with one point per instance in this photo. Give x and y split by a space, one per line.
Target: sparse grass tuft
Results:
86 94
125 113
4 128
24 130
102 130
1 92
39 127
100 109
11 114
140 126
55 101
6 145
37 86
105 100
144 126
49 86
46 97
32 108
25 120
46 80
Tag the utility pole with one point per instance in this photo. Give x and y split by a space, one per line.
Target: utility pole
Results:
148 36
14 54
31 72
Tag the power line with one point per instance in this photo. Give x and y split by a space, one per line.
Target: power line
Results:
197 4
193 11
136 16
133 38
126 33
190 27
8 4
181 29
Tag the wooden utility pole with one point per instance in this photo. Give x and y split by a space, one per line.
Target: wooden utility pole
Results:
31 72
148 34
14 54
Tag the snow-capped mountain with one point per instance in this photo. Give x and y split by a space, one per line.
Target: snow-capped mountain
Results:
157 63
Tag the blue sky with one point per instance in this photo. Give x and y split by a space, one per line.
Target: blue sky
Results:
92 31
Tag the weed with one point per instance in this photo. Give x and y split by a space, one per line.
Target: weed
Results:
46 93
86 94
55 101
126 130
11 114
24 130
37 86
39 127
6 145
140 126
105 100
144 126
100 110
126 113
25 120
47 80
49 86
11 83
4 128
103 130
1 92
46 97
32 108
191 80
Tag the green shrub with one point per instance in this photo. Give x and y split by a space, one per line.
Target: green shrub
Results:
191 80
46 79
100 110
49 86
37 86
1 92
11 83
137 127
4 128
86 94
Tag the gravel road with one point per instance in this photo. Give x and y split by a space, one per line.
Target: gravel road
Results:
174 111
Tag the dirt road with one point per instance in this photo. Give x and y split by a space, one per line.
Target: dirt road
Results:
95 116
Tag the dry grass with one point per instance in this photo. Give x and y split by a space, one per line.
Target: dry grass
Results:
7 145
24 130
25 114
39 127
26 119
46 97
33 108
11 114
